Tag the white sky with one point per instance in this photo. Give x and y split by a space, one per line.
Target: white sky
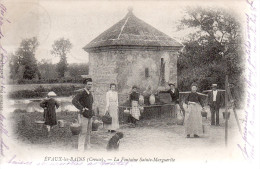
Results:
82 21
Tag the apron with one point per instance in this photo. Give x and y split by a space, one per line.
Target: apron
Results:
135 111
193 120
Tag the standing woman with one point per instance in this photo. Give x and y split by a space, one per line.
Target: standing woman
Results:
112 108
49 105
193 119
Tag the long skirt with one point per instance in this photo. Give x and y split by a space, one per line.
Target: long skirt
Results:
193 120
113 111
49 117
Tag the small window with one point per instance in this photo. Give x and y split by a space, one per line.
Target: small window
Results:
146 72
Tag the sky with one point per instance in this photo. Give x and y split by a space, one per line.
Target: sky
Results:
81 21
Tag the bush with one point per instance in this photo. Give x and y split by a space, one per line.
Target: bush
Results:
76 79
22 94
40 92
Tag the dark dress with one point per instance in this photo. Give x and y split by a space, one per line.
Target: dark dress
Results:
134 96
194 97
50 112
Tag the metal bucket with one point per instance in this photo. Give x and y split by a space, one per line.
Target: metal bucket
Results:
226 115
75 129
152 99
180 121
39 124
61 123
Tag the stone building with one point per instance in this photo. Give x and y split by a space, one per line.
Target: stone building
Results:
129 53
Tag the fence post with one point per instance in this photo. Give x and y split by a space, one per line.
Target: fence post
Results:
226 110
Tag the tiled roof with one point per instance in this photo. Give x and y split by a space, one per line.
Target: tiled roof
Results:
132 32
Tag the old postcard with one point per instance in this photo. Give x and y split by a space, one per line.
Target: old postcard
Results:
129 83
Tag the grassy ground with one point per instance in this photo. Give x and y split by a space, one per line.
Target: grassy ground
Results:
159 132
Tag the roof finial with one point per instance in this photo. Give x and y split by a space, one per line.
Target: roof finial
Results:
130 9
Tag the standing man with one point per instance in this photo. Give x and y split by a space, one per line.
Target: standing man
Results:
83 101
215 100
174 92
175 95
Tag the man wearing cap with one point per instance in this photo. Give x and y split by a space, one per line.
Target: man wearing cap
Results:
83 101
215 100
174 92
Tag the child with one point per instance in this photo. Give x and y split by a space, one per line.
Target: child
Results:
49 114
135 111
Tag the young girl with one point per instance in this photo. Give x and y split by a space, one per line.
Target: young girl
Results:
135 111
49 114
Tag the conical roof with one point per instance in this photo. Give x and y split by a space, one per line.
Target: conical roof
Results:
130 33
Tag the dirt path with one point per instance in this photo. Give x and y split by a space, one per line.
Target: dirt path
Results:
165 135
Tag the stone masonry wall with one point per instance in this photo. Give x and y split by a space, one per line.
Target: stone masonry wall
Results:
127 68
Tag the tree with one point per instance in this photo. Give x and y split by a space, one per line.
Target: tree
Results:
76 69
61 48
14 66
24 59
213 49
47 69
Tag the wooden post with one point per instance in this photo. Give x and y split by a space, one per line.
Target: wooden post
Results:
234 110
226 110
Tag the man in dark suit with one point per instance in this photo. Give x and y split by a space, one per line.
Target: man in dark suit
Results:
84 101
215 100
174 93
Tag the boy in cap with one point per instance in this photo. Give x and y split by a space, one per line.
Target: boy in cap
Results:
49 114
84 101
215 100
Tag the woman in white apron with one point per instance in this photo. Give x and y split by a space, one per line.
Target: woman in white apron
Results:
112 108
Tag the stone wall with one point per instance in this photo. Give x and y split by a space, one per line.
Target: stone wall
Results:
127 68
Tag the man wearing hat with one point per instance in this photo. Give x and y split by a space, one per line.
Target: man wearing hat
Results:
174 93
215 100
84 101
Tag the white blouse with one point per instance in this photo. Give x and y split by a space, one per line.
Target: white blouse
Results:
111 99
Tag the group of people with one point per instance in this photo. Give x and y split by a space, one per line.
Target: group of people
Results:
195 105
84 101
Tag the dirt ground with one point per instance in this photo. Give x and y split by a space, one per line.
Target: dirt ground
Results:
156 135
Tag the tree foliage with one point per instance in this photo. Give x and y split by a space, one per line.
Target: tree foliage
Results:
23 63
47 69
78 69
61 48
212 50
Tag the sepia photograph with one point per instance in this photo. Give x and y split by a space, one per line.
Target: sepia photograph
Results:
117 83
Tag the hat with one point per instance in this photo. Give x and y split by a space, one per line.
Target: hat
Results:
170 83
214 85
51 94
86 80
